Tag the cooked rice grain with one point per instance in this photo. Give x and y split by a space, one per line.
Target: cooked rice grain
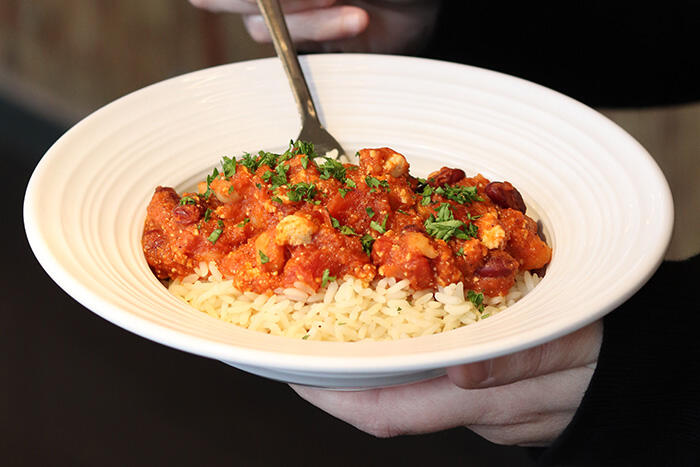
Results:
345 310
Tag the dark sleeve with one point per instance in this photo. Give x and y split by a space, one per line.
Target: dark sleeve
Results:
643 404
603 53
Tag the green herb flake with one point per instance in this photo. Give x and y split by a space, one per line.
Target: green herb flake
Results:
347 230
460 194
370 212
302 147
367 241
402 212
350 183
335 223
331 168
243 222
344 191
228 165
267 158
381 228
374 183
460 252
301 192
216 233
207 215
249 161
263 257
445 226
187 200
276 199
326 278
210 178
477 299
426 193
304 161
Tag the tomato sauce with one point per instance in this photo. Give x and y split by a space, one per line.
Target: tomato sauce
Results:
276 220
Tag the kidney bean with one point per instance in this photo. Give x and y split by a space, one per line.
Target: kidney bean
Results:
446 176
504 195
187 214
498 264
413 228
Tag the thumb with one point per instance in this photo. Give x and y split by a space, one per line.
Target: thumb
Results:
573 350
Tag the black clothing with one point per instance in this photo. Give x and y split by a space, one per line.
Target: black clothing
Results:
643 404
603 53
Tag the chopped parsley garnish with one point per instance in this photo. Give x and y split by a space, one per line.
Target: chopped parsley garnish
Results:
477 299
187 200
426 193
263 257
302 192
422 183
277 199
445 226
335 223
228 165
305 161
216 233
374 183
347 230
267 158
344 191
381 228
332 168
461 194
249 161
302 147
367 241
305 336
278 177
370 212
326 278
402 212
207 215
460 252
243 222
350 183
210 178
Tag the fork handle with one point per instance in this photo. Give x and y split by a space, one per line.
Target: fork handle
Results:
274 18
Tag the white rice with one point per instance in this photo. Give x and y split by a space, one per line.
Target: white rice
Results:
345 310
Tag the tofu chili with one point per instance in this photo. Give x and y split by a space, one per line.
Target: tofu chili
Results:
272 220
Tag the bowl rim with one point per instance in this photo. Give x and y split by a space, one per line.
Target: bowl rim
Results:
315 360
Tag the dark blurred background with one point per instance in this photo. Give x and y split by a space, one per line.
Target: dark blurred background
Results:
76 390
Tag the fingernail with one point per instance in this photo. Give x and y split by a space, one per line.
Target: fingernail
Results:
482 373
473 375
354 22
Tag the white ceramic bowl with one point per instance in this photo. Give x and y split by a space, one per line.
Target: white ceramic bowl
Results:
605 206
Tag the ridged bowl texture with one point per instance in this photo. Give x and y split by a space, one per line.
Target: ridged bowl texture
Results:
603 203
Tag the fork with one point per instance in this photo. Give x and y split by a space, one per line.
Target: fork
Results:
311 128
